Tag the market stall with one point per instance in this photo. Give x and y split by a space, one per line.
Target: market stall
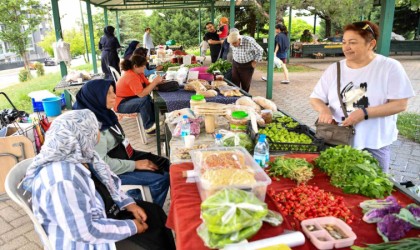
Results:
184 212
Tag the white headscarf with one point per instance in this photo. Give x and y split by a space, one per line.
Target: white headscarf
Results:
72 138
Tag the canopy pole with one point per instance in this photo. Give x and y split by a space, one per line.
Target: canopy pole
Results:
314 25
199 26
58 33
270 56
92 37
385 25
118 26
290 31
232 14
106 16
84 31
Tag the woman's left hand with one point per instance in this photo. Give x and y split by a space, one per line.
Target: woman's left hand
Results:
354 118
137 212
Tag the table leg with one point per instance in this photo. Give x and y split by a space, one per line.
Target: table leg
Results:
68 97
157 121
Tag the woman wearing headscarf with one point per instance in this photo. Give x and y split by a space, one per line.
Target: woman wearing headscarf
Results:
109 44
77 199
137 168
129 51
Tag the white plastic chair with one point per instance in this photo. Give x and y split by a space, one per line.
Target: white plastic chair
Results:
121 116
16 193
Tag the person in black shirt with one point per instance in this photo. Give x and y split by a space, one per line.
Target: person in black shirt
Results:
213 40
109 57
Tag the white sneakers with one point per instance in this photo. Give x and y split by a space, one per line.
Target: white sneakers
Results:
283 81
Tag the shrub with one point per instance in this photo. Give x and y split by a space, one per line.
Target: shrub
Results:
24 75
40 71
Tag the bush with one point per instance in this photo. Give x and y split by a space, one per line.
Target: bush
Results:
24 75
40 71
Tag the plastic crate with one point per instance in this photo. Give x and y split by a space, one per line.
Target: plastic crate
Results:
37 106
317 145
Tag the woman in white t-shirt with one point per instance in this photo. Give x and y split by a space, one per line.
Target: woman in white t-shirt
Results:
374 89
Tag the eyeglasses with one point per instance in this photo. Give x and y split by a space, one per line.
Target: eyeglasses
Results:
365 26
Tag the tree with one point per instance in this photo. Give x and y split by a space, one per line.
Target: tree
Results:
46 43
19 19
77 44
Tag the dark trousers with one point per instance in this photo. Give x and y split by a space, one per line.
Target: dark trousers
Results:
156 237
214 52
242 74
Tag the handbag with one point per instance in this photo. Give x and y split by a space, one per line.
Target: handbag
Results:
332 133
168 86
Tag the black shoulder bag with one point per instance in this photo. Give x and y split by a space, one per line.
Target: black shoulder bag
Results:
332 133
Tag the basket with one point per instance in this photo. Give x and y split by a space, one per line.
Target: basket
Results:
317 145
318 55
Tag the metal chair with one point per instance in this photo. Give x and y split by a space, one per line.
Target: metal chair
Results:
16 193
121 116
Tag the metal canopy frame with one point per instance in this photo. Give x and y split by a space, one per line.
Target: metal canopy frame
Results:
121 5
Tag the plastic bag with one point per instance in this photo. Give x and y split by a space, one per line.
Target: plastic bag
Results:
273 218
231 139
231 210
194 126
265 103
214 240
277 62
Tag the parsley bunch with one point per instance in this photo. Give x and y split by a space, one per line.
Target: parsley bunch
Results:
355 171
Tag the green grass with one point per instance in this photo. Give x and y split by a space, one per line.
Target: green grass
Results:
290 67
409 125
18 93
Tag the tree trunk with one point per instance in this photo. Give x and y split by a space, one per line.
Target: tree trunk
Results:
327 26
252 24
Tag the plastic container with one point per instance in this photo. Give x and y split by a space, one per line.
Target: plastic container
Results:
218 140
196 100
239 121
328 232
52 106
203 73
231 161
260 152
267 115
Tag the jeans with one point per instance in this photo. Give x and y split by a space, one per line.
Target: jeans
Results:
158 184
383 155
142 105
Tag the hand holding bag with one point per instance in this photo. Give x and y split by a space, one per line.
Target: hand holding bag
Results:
332 133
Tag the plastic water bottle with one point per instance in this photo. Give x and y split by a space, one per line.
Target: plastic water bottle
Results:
218 140
260 152
267 156
185 127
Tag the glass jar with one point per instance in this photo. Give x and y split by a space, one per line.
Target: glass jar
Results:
196 100
267 115
239 121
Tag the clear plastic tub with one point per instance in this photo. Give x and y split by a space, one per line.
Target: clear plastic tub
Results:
328 232
221 167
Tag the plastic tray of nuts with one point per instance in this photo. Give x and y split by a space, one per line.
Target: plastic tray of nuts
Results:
328 232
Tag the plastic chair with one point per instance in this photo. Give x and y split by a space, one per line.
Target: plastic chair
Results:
121 116
16 193
145 191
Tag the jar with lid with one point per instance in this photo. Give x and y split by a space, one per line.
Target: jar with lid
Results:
196 100
239 121
267 115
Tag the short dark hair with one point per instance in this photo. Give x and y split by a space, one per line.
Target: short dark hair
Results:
209 23
134 60
140 51
365 29
146 29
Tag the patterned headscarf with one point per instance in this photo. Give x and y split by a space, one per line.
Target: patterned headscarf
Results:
72 138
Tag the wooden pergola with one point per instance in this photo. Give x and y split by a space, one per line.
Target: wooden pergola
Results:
386 22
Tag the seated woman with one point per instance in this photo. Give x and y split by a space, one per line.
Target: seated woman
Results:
130 49
133 91
306 37
77 199
148 70
139 168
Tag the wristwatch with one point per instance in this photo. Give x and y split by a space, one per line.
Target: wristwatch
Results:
366 113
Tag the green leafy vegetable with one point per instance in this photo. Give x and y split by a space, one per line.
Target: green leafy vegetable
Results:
221 65
404 244
167 65
355 171
297 169
244 141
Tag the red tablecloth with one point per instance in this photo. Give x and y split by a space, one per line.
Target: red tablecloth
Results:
184 211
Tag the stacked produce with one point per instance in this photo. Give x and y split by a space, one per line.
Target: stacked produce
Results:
220 65
297 169
285 140
287 121
306 202
229 216
355 171
393 220
231 139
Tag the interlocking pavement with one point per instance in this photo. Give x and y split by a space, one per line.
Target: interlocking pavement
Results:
16 229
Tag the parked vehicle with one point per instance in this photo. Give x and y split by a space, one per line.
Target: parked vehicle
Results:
50 62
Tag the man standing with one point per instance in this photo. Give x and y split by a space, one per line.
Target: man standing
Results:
147 40
213 40
246 53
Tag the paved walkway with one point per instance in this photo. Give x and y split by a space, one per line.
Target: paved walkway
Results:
16 230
